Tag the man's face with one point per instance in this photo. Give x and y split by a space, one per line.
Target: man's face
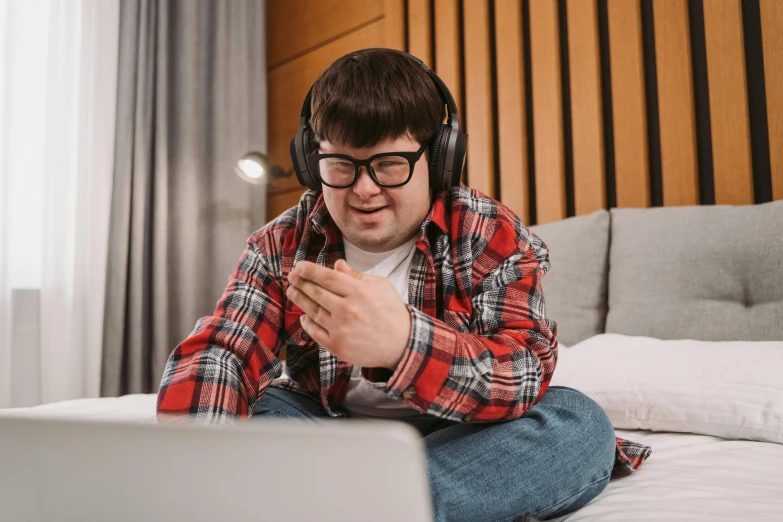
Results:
402 209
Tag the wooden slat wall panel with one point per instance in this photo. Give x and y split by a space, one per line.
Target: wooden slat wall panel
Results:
394 23
447 56
675 103
420 30
586 111
629 114
478 97
282 202
294 26
547 112
512 139
728 102
288 85
772 37
295 63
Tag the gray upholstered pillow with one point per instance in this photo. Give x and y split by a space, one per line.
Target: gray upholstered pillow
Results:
712 273
575 286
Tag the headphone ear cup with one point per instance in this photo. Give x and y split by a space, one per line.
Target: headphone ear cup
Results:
460 146
436 158
295 162
303 173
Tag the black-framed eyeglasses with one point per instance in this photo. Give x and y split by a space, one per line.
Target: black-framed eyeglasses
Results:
387 169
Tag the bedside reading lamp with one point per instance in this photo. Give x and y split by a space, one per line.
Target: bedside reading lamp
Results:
254 167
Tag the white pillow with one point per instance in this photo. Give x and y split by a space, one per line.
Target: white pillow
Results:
731 389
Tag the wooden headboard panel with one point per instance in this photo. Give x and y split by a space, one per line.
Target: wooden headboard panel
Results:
571 105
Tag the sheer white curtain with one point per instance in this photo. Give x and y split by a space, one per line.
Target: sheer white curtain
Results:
58 83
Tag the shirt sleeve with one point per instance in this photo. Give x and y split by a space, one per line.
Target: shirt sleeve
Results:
503 365
229 359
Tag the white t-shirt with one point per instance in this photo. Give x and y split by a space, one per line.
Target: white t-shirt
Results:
362 400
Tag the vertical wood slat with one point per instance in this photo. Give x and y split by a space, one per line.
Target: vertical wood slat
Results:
478 96
447 57
629 114
586 107
772 39
419 30
512 139
394 24
547 112
675 103
728 102
313 23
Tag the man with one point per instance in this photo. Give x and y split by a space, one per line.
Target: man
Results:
401 294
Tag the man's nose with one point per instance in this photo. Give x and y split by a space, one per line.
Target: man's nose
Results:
365 186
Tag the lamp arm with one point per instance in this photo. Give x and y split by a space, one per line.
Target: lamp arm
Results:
278 172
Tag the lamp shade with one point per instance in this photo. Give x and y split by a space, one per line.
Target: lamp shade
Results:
254 168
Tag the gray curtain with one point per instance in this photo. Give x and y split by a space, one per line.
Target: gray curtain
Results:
191 101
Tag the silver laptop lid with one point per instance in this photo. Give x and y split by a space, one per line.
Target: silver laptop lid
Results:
265 470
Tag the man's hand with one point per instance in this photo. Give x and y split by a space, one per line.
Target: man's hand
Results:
359 318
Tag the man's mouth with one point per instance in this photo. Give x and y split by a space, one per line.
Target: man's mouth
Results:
368 210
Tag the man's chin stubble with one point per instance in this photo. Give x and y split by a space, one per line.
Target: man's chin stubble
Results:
370 239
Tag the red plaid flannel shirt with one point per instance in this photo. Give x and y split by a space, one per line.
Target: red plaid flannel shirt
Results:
480 350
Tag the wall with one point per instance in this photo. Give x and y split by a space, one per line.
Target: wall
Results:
571 105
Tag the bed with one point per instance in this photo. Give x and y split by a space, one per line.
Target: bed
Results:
672 320
690 476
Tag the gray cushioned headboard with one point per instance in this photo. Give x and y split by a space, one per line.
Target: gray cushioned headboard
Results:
575 286
707 272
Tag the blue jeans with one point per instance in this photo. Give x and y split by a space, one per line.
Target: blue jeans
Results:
550 462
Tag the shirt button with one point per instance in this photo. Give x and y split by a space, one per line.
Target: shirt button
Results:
409 393
467 418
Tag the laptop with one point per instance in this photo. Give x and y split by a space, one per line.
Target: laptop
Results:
276 470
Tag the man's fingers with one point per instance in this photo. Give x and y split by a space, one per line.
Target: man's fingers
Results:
334 281
309 306
316 293
342 266
316 332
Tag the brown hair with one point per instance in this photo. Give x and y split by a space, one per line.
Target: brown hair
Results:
370 96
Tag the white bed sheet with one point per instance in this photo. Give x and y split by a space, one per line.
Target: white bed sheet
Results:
687 477
134 408
694 477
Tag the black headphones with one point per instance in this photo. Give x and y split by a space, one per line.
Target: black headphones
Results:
446 152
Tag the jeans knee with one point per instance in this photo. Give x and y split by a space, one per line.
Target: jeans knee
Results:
591 426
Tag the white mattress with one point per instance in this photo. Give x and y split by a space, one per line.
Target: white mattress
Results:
688 477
